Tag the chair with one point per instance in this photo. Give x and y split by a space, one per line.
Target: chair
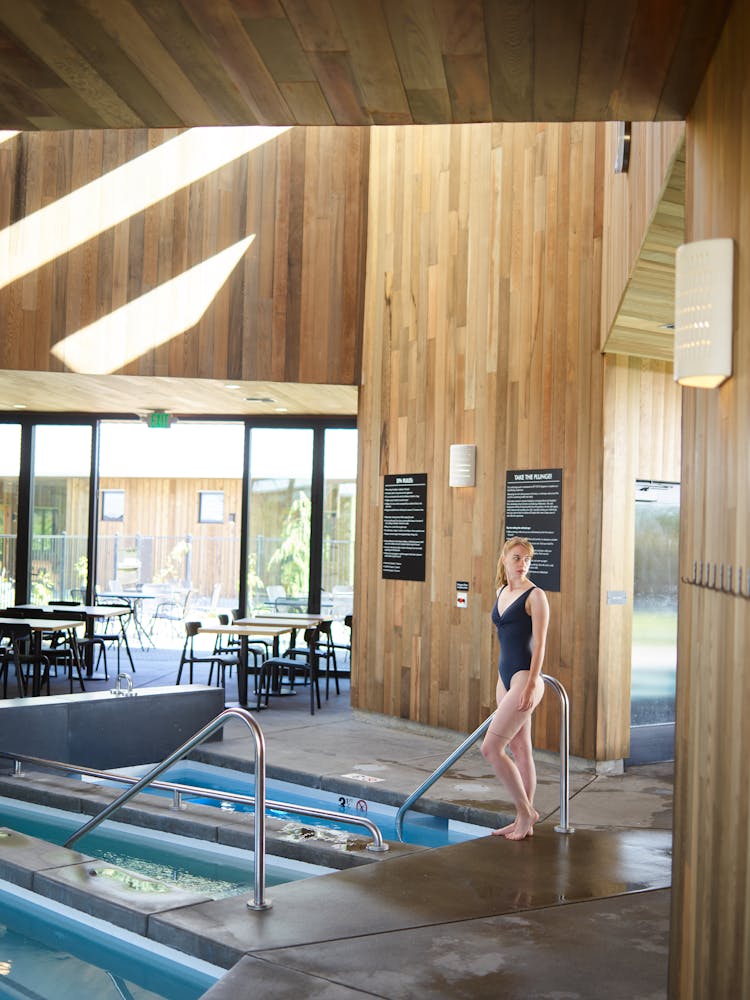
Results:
92 642
346 646
63 647
11 651
209 605
275 594
326 651
229 644
273 670
19 650
191 658
172 610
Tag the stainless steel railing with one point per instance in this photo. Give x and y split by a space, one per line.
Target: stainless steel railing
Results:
178 790
196 791
564 825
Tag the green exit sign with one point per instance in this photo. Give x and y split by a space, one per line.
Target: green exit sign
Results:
158 419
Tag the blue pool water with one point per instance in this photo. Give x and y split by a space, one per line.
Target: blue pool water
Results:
212 869
418 828
50 952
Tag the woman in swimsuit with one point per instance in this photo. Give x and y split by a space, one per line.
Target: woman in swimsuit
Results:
521 615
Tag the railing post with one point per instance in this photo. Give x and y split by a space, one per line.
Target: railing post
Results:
259 902
564 825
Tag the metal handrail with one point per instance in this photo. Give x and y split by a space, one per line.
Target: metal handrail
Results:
259 901
563 826
178 789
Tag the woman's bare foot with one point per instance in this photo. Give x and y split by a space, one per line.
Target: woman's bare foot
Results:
503 831
523 826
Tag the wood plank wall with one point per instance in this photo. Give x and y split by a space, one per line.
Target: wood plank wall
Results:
291 310
481 326
710 937
641 441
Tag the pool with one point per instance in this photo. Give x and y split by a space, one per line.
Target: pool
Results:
51 952
418 828
209 868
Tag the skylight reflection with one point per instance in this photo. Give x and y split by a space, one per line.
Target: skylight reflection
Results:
112 342
79 216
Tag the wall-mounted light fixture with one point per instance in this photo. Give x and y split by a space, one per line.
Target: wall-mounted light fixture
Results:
463 465
703 313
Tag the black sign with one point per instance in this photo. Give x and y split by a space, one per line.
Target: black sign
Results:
533 510
404 527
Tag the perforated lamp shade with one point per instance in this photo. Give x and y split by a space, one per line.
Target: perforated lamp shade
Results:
703 313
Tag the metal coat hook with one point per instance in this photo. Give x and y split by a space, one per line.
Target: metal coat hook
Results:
712 576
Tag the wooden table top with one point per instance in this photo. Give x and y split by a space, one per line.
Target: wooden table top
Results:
243 628
42 624
296 621
92 610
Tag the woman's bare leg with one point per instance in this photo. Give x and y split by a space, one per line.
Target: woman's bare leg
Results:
523 755
511 726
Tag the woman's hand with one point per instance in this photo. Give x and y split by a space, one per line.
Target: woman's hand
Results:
526 698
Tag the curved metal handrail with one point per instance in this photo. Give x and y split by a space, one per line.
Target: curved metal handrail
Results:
259 901
563 826
178 790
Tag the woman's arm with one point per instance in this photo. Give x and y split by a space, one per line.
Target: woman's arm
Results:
538 605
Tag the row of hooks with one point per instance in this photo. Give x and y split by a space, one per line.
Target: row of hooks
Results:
715 576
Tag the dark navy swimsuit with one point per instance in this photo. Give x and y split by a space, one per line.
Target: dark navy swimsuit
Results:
514 632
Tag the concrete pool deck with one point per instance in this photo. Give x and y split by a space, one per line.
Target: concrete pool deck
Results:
581 916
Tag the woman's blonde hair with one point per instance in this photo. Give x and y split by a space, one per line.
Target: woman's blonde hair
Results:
501 579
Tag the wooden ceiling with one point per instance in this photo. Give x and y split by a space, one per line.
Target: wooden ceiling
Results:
59 392
132 63
160 63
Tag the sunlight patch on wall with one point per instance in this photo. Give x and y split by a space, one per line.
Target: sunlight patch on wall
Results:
83 214
115 340
5 136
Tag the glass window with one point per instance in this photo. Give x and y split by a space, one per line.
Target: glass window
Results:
339 514
113 505
211 507
163 544
654 660
278 570
10 459
60 497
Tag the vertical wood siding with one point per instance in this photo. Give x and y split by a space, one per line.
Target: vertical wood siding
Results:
290 310
481 326
641 441
710 943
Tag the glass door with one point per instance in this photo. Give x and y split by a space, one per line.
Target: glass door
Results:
170 503
654 651
279 518
10 461
60 512
339 514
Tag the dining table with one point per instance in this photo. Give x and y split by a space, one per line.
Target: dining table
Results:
245 631
93 613
39 627
297 622
134 599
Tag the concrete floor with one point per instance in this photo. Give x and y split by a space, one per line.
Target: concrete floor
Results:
578 916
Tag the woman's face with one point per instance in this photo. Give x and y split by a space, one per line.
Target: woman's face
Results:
516 562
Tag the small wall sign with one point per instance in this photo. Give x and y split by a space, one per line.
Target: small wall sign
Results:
533 510
404 526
